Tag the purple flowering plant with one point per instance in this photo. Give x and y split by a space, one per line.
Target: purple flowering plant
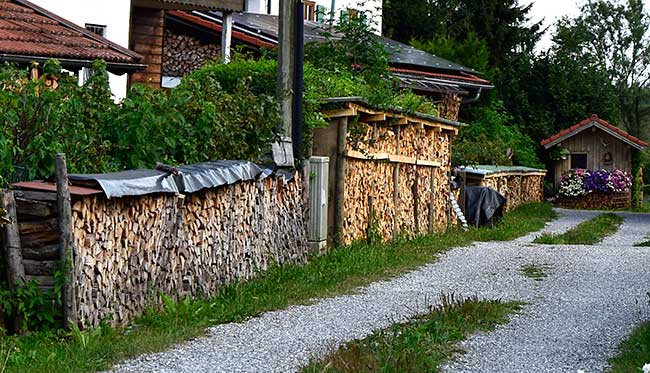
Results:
581 182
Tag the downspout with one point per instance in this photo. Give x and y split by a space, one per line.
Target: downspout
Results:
474 98
298 86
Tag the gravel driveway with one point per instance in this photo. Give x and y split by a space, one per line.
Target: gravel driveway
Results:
592 298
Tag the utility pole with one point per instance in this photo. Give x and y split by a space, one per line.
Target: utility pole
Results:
283 149
226 36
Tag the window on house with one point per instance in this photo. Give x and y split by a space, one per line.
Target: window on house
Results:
310 10
320 13
578 160
96 29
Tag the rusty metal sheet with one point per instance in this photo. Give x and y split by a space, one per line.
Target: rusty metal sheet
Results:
51 187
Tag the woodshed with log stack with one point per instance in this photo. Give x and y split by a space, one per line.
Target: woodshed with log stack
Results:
389 171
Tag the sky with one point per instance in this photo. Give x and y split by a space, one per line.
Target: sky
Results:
553 10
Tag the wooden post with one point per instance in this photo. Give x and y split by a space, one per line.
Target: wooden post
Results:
66 241
285 62
432 205
416 199
396 184
339 191
226 36
13 254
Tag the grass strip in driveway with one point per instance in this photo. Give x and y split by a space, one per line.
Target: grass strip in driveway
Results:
635 351
338 272
586 233
421 344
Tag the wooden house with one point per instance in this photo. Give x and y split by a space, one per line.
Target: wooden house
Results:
192 38
592 144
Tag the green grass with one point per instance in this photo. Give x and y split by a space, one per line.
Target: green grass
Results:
643 244
421 344
338 272
587 233
534 271
635 351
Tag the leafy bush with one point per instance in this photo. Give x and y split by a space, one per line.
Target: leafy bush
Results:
198 121
488 138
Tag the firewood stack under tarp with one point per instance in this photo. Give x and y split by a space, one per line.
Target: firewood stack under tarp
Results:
185 231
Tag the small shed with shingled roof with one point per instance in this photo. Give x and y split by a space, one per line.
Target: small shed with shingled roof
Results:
592 144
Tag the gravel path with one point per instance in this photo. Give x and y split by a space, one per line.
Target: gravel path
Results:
591 299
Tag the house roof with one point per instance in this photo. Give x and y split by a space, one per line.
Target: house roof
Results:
417 69
587 123
30 33
227 5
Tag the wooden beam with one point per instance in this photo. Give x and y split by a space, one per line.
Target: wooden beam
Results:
226 36
12 253
12 247
337 113
66 241
339 186
396 184
381 117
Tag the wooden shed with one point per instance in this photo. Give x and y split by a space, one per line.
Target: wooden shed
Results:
389 171
592 144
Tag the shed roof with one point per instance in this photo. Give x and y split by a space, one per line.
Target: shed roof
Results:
31 33
493 170
415 68
594 121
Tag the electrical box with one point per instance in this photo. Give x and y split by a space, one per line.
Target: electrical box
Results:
318 190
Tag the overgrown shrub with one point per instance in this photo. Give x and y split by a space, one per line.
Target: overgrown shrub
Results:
195 122
489 137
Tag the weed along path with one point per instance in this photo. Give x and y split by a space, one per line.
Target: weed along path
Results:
581 301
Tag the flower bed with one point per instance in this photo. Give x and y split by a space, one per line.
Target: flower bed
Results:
595 189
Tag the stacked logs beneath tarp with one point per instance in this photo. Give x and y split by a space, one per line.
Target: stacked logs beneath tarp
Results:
183 53
39 236
518 189
134 248
396 197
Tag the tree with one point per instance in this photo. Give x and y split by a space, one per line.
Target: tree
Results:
612 37
502 24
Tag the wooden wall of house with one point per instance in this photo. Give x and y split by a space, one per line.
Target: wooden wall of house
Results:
595 143
146 38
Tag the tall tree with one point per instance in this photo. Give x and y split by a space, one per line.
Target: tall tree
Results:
503 24
613 37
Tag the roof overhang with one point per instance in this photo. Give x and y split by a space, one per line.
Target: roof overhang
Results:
217 5
598 125
117 68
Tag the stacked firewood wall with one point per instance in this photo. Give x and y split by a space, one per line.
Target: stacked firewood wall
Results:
518 189
183 53
450 106
132 249
398 197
